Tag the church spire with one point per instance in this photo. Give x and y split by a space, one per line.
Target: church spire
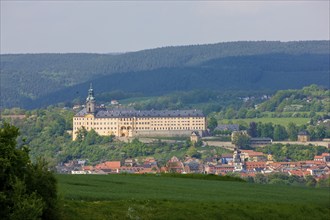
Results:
90 101
90 93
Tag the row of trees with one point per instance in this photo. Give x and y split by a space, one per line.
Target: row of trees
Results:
246 112
286 179
280 132
292 152
276 131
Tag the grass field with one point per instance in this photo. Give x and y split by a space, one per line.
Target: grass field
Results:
280 121
160 197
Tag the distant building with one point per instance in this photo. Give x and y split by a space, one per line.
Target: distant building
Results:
194 137
133 123
303 136
325 157
269 157
260 141
228 127
129 162
253 165
226 158
174 165
251 155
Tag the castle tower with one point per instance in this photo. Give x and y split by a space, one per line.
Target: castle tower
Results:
90 101
237 160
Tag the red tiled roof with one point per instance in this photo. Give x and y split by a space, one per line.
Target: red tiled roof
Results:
113 164
314 162
255 163
227 155
299 172
88 168
252 165
108 165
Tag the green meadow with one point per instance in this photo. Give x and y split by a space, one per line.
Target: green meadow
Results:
165 197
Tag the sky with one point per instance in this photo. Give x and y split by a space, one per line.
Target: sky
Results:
123 26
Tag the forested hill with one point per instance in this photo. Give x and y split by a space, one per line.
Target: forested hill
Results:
34 80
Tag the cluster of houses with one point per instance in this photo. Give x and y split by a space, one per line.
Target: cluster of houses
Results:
244 162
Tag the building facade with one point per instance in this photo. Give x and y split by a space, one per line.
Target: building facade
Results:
134 123
303 136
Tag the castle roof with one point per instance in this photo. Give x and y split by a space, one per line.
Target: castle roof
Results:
119 113
303 133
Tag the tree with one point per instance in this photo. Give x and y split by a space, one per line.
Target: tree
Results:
260 178
230 113
252 131
292 131
92 137
212 123
267 130
192 152
241 139
280 133
320 131
81 134
251 113
310 181
242 113
296 180
324 182
26 189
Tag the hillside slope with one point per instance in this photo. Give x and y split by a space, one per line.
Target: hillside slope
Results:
33 80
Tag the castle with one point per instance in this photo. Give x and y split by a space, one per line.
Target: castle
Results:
134 123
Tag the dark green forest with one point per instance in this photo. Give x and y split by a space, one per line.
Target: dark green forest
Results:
36 80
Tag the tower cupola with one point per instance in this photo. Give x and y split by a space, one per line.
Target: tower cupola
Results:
90 101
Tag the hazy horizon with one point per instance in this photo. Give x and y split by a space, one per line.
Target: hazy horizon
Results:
166 46
118 27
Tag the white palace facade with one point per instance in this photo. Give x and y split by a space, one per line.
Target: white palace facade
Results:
134 123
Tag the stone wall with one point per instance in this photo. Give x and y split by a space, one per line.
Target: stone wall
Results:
166 133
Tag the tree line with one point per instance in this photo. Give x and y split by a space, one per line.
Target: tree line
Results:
286 179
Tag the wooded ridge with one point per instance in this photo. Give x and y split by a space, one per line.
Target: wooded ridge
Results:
35 80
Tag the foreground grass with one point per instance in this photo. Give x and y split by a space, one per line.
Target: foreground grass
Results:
162 197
